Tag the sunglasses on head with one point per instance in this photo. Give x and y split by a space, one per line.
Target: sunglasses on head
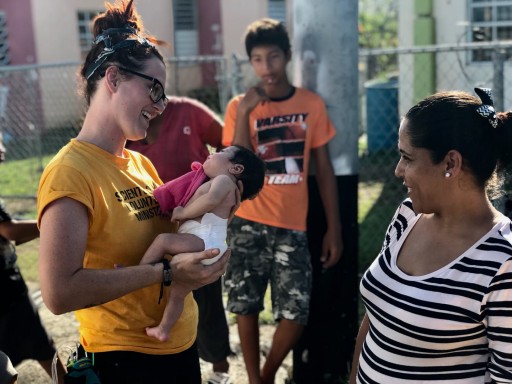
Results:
156 93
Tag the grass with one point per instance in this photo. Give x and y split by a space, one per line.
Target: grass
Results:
27 260
27 252
379 194
21 178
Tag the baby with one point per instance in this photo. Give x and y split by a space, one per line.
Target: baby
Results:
202 214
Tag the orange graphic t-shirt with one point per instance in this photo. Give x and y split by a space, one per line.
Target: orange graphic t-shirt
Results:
283 133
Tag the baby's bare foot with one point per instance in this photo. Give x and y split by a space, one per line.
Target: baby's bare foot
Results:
157 333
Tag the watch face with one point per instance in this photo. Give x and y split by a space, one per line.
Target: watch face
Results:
167 272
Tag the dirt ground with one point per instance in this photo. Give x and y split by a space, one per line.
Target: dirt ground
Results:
63 329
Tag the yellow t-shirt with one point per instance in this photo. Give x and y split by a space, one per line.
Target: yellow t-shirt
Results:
283 132
123 221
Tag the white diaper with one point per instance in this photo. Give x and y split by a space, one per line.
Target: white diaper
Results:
212 230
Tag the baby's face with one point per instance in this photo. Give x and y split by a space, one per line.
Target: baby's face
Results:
219 162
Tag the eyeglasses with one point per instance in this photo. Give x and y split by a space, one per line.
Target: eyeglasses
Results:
156 93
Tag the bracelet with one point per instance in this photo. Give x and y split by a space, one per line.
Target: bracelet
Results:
167 280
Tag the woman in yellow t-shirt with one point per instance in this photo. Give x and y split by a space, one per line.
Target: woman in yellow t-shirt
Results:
96 210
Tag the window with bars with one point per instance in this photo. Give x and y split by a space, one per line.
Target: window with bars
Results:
277 10
491 20
5 58
84 30
186 35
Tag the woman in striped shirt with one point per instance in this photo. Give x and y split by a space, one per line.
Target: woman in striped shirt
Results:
439 295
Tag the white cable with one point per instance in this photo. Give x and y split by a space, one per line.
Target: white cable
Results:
65 348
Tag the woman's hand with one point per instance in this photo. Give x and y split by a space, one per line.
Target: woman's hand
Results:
190 274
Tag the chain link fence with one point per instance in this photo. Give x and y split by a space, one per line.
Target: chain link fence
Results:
41 106
41 109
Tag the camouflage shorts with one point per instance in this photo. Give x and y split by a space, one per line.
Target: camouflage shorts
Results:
263 254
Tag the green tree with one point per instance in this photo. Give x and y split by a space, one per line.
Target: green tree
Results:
378 28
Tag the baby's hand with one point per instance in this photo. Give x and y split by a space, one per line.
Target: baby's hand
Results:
177 214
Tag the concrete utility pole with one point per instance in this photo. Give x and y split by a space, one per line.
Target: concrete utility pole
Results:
325 57
424 63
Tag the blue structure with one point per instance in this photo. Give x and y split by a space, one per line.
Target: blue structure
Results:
382 115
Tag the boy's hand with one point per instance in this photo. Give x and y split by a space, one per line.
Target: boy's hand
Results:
177 214
252 98
332 248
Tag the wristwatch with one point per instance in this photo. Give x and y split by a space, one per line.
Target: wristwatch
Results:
167 272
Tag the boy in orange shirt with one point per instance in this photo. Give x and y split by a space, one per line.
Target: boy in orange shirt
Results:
285 126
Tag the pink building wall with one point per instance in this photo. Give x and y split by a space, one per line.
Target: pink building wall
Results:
210 35
20 29
24 99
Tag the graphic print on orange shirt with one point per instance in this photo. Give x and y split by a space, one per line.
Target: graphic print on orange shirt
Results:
281 143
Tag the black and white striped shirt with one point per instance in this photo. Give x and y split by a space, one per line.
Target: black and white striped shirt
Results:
453 325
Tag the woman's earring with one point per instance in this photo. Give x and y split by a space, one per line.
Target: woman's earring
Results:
447 174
